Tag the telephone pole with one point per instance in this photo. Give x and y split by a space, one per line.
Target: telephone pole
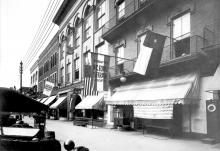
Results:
21 72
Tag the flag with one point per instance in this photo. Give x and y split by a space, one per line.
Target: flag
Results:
90 78
149 58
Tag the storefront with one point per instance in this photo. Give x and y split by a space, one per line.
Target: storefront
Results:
59 108
90 111
164 103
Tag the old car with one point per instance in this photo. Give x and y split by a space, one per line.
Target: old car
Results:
16 135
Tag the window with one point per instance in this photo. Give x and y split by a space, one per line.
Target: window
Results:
62 52
120 6
119 60
181 35
62 75
87 29
101 15
76 67
87 59
68 70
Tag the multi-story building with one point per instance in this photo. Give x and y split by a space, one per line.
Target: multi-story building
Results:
34 76
176 96
80 24
48 64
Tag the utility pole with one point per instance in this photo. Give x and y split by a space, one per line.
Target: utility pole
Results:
21 72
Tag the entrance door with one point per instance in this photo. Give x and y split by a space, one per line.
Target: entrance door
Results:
213 118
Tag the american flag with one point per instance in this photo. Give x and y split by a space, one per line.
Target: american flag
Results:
89 82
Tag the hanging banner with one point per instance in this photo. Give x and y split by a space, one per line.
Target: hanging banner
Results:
48 88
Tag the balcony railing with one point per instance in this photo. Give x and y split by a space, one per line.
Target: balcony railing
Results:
188 47
130 8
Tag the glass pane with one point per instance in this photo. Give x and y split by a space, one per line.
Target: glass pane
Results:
177 28
186 24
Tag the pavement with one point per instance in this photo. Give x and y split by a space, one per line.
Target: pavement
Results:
102 139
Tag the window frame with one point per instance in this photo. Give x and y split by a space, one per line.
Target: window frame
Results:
183 38
120 13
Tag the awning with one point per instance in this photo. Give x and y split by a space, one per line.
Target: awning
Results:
91 102
38 100
179 89
58 102
154 111
12 101
43 100
49 100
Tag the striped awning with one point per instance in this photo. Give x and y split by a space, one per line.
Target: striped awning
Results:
49 100
43 100
58 102
179 89
91 102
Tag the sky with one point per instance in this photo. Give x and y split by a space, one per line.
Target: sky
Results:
19 22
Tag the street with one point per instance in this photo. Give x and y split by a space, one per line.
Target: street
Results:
101 139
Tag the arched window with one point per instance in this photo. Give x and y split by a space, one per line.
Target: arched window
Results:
76 32
87 23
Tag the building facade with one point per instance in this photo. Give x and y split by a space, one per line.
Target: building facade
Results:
48 64
81 24
34 75
190 55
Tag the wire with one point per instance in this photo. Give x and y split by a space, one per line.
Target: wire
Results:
37 33
43 36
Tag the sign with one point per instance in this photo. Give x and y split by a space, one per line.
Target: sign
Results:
48 88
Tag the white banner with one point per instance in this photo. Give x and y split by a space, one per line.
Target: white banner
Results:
48 88
154 111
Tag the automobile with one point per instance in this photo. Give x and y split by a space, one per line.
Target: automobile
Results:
16 135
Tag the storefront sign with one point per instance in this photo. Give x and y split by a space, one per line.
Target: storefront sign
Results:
48 88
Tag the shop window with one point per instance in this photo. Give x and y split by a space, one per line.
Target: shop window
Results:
181 35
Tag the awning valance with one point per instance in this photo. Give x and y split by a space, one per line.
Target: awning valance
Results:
58 102
91 102
178 89
49 100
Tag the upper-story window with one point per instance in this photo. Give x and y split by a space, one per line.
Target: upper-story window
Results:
76 66
87 25
120 9
181 35
76 33
119 58
101 14
68 72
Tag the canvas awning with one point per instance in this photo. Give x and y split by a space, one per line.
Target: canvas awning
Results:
49 100
43 100
91 102
177 89
59 101
12 101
